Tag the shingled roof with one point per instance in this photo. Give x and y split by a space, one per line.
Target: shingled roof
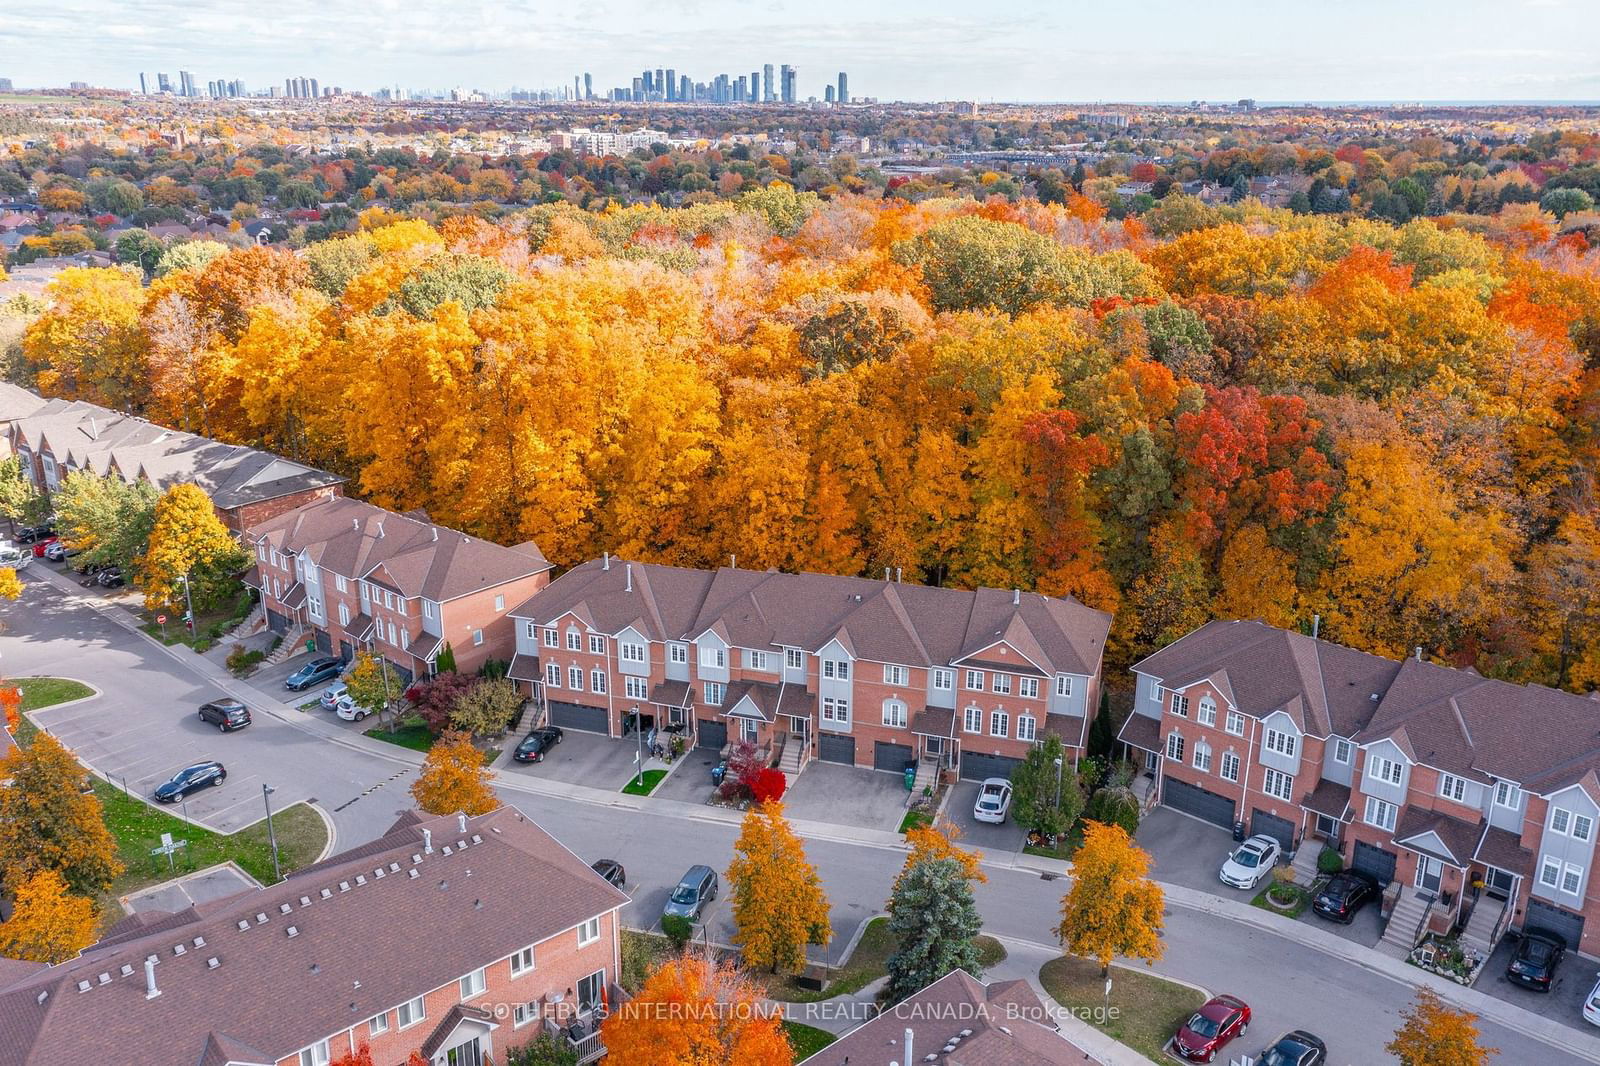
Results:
1327 689
104 441
884 621
412 556
259 975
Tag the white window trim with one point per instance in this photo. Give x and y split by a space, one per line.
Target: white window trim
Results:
1512 798
1063 685
1571 871
315 1055
999 724
1229 759
1027 727
1588 827
1381 813
1206 712
1545 867
794 659
975 680
421 1003
1000 683
1175 746
1281 742
1342 745
472 984
1234 718
518 971
1453 788
1286 780
589 932
678 654
943 680
895 714
378 1024
972 720
1028 688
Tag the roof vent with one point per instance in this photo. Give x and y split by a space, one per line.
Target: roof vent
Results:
932 1056
476 839
315 968
966 1032
105 979
361 879
461 823
150 989
1016 597
413 873
344 886
177 949
355 523
416 858
448 850
84 986
325 893
379 873
126 971
213 962
605 560
443 884
199 941
461 845
261 916
243 925
380 529
394 867
630 579
477 904
435 531
305 901
293 932
283 908
427 842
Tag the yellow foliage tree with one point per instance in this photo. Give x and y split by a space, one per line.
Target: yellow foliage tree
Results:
1434 1034
88 344
454 778
778 903
10 584
47 823
189 543
929 842
696 1012
1112 908
49 924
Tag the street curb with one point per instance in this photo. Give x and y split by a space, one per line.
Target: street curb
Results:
333 831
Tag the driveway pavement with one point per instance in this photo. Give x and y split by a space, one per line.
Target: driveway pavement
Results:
690 780
1186 851
1007 837
202 886
847 795
1563 1003
580 759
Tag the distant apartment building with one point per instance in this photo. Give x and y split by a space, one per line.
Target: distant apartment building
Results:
1477 800
769 91
423 941
245 485
867 673
843 95
357 577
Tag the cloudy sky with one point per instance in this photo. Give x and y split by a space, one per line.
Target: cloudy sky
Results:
1071 50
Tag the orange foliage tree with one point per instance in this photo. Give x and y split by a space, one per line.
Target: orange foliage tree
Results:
695 1012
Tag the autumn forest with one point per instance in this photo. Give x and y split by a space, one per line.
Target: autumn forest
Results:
1202 412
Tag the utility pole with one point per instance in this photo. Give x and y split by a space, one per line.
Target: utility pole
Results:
266 797
188 603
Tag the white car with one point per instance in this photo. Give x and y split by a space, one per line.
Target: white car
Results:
332 695
994 800
346 708
1250 862
15 556
1591 1005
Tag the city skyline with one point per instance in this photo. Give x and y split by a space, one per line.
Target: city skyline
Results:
935 51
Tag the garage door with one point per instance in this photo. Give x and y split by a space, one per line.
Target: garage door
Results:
975 766
577 716
891 757
1374 862
713 733
1553 919
831 747
1270 825
277 623
1192 799
324 642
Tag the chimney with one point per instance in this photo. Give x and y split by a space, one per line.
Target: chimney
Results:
630 578
461 823
897 572
427 841
380 529
94 430
355 523
733 561
1419 653
605 560
150 989
910 1055
1016 597
1316 625
886 573
435 531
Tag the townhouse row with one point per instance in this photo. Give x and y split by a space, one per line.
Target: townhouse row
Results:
423 940
1479 798
867 673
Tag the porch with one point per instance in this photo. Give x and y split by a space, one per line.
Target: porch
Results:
580 1030
938 749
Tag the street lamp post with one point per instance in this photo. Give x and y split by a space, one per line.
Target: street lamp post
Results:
188 603
272 837
1058 782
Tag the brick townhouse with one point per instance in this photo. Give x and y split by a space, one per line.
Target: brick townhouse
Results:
1476 799
457 937
245 485
848 670
357 576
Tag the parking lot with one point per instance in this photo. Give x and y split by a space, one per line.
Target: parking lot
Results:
219 882
1006 838
580 759
847 795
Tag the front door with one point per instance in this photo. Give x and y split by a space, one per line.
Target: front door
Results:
468 1054
800 728
1429 871
1328 829
1498 883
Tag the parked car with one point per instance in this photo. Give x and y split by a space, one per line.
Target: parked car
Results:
1591 1004
1342 898
323 668
346 707
227 714
15 556
42 545
611 870
696 888
185 781
1250 862
994 800
537 743
29 534
1211 1027
110 578
332 695
57 550
1297 1048
1533 964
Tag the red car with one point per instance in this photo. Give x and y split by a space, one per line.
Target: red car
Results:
1210 1028
42 543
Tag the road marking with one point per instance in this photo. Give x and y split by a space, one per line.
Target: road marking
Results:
374 788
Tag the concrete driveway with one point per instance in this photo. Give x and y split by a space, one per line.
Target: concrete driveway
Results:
1186 851
847 795
580 759
1005 838
690 780
1563 1003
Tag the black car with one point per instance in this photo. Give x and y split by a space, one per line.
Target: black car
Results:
185 781
537 743
1298 1048
1342 898
29 534
226 714
111 578
314 672
1534 963
611 870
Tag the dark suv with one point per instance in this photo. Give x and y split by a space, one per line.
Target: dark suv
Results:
226 714
1533 964
1342 898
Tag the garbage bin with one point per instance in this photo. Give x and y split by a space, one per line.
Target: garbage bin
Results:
1238 830
311 644
911 778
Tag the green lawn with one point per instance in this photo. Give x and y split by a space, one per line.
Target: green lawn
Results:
210 624
137 827
807 1040
913 820
410 734
1145 1010
636 787
1302 900
868 962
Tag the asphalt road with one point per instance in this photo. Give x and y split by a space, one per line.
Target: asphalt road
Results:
143 726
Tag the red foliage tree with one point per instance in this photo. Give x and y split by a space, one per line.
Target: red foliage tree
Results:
436 697
361 1056
768 784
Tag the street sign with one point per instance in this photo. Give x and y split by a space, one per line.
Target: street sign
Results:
161 618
